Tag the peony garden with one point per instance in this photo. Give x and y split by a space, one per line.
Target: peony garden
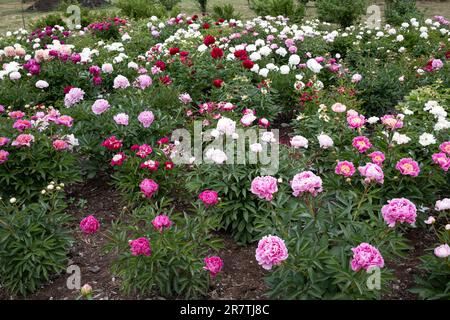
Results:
166 155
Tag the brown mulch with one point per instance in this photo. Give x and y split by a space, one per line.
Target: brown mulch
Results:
406 270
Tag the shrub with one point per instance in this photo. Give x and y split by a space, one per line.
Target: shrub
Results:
398 11
285 8
29 168
343 12
202 4
140 9
226 12
34 242
174 267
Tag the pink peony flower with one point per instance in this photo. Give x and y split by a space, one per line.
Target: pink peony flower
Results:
443 251
408 166
445 147
16 114
306 181
23 140
442 160
356 78
148 187
146 118
345 168
143 82
213 265
366 256
356 121
372 172
209 197
64 120
185 98
121 82
4 141
21 125
399 210
60 145
151 165
100 106
271 251
264 187
377 157
112 143
160 222
3 156
89 225
299 142
118 159
142 151
442 205
121 119
74 96
392 122
361 143
140 246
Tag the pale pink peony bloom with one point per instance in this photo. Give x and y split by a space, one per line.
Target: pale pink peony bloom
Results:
140 246
146 118
143 82
430 220
121 119
100 106
121 82
209 197
161 222
399 210
356 78
407 166
345 168
372 172
74 96
271 251
365 257
392 122
306 181
89 225
325 141
23 140
213 265
148 187
442 205
264 187
338 107
377 157
299 142
443 251
248 119
185 98
361 143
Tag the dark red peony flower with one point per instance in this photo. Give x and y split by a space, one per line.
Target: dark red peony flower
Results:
208 39
161 65
248 64
216 53
174 51
217 83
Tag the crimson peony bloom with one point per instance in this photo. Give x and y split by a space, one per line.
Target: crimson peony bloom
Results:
216 53
217 83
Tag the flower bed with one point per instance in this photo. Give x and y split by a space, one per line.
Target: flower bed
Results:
361 158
